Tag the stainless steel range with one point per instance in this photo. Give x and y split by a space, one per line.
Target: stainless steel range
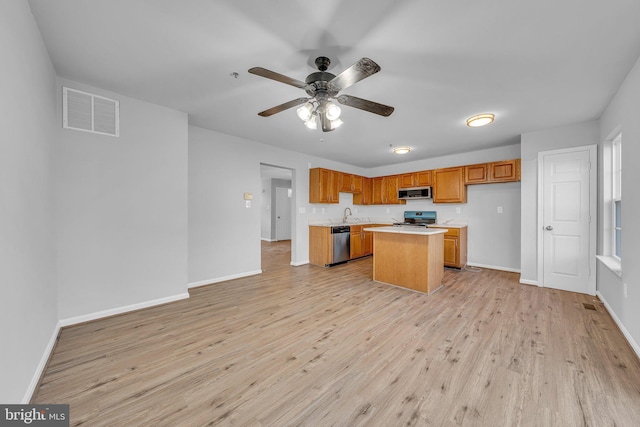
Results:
417 219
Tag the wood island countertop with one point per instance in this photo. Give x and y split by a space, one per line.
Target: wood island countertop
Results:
409 257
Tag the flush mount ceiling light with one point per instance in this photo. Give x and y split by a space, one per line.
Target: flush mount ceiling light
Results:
480 120
322 87
401 150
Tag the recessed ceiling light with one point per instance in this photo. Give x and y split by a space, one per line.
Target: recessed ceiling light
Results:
480 120
401 150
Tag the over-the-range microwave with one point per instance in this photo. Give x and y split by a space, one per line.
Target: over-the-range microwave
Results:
414 193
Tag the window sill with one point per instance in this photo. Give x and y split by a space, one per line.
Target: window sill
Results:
611 263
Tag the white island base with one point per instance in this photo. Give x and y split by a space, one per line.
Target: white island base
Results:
409 257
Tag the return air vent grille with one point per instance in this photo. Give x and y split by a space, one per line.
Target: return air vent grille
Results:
90 113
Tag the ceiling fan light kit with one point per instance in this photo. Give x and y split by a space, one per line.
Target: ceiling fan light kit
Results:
480 120
322 87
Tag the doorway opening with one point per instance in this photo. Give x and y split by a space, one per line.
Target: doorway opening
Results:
276 213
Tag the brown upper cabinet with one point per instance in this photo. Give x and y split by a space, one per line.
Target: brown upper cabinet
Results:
324 185
365 196
385 190
415 179
505 171
350 183
484 173
448 185
476 174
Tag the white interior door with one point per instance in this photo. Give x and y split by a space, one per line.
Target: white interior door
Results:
568 219
283 214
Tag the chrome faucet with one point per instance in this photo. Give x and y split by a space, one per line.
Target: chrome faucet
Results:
344 218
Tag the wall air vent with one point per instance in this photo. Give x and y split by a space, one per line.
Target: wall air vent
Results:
90 113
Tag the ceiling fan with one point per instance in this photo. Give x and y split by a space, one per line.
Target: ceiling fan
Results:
322 87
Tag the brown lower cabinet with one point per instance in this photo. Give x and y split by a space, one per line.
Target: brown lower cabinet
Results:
455 246
321 250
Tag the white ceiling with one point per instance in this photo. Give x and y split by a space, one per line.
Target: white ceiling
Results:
535 64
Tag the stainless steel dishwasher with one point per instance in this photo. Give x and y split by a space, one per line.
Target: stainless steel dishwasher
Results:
341 242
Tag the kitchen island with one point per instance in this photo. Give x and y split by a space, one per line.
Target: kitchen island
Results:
409 257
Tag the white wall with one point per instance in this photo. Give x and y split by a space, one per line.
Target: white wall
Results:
122 210
224 235
586 133
622 115
28 302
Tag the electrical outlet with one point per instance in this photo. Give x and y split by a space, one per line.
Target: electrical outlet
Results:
458 210
499 209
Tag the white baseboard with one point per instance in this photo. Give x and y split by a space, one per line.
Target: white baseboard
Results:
223 279
493 267
625 332
119 310
42 365
529 282
264 239
298 264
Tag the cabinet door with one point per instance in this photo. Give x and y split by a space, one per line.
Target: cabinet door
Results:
393 183
358 184
379 190
505 171
366 195
449 185
356 241
367 248
451 253
323 185
476 174
346 182
422 178
407 180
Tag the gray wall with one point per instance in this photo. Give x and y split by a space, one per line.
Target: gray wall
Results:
622 116
532 143
28 297
122 209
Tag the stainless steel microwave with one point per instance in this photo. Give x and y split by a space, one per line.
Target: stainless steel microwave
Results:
414 193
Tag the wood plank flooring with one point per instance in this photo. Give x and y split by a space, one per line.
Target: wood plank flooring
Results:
310 346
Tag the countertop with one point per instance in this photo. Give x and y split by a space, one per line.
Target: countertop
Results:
332 224
407 230
372 222
448 225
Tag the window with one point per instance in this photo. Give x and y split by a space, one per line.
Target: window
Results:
611 255
616 172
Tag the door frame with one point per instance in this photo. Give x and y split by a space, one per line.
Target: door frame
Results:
593 211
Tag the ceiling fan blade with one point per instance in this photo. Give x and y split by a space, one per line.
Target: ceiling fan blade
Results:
278 108
363 104
263 72
358 71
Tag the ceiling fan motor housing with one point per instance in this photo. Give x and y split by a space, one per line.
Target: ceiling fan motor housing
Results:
318 82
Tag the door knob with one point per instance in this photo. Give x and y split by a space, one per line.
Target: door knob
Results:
548 227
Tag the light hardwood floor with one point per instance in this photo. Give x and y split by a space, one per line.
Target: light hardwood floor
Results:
320 347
